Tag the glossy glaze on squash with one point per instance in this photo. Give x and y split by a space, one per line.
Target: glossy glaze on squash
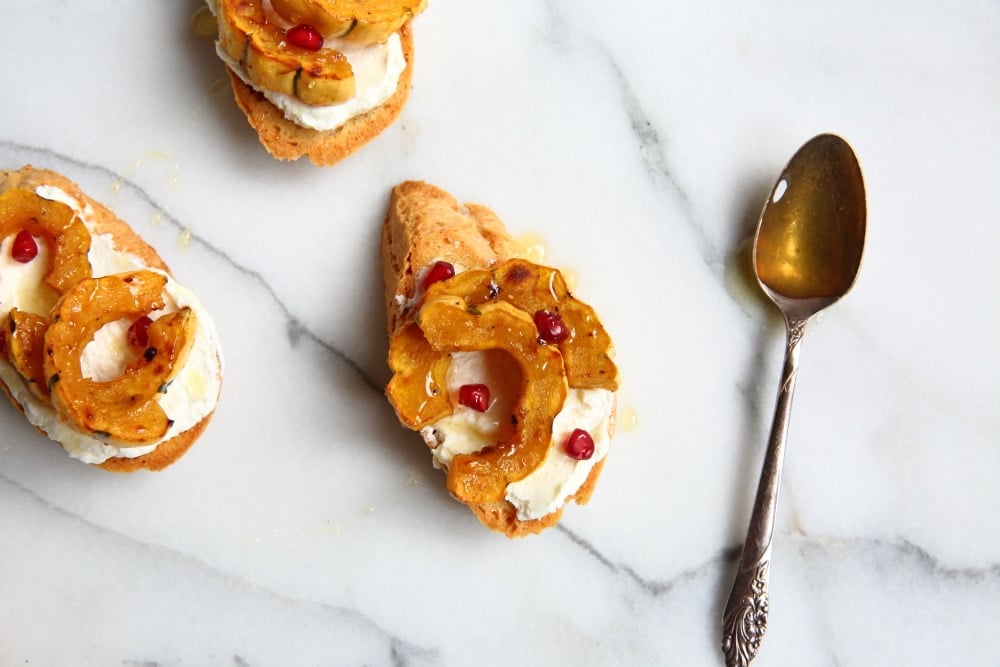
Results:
494 309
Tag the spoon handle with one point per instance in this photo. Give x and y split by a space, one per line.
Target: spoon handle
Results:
745 618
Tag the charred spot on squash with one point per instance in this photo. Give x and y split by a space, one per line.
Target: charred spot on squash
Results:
516 274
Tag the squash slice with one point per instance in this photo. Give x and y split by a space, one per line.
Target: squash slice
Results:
25 346
357 21
169 342
60 228
532 287
257 42
124 409
450 325
417 389
493 309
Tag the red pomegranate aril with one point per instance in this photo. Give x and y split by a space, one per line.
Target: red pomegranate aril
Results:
579 445
475 396
441 270
138 333
24 248
551 328
305 37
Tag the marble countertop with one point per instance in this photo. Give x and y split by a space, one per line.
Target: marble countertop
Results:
308 528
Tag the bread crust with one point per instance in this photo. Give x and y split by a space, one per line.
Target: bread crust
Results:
424 224
126 240
287 141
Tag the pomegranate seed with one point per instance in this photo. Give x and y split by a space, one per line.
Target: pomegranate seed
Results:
551 328
440 271
138 333
475 396
305 37
579 445
24 248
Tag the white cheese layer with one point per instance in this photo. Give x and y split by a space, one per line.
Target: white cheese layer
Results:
559 476
192 395
376 68
467 431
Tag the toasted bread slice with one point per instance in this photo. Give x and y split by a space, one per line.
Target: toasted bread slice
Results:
104 222
425 224
287 141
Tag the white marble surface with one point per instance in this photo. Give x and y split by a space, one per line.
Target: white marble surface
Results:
307 528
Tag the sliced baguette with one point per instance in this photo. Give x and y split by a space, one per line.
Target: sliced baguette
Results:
104 221
425 224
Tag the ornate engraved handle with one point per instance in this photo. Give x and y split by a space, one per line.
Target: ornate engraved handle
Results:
745 618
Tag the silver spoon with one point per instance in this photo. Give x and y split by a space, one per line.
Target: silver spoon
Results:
806 255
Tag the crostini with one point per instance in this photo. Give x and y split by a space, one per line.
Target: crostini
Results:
100 347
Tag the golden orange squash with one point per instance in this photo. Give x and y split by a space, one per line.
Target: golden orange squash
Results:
494 309
358 21
25 345
54 222
258 43
533 287
123 409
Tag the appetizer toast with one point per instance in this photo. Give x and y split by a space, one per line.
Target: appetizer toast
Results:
506 375
100 348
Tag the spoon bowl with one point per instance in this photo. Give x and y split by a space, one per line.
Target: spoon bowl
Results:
811 232
806 256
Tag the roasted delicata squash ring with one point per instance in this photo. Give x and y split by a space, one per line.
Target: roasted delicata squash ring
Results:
169 342
69 243
25 349
54 222
493 309
250 37
448 325
532 287
357 21
125 408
